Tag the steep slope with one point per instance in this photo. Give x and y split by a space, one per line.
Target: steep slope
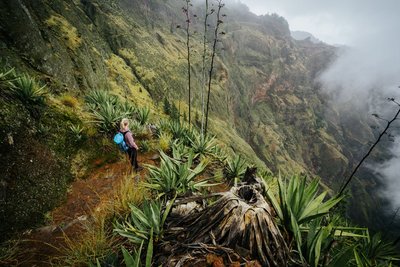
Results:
264 102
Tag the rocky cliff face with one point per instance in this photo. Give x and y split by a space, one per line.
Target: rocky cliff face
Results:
264 101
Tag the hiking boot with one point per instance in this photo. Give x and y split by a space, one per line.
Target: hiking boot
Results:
138 169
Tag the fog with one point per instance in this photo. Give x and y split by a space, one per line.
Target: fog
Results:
367 70
390 171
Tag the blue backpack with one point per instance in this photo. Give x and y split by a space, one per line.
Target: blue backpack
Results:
119 139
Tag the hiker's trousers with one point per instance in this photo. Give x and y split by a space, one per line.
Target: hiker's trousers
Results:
132 153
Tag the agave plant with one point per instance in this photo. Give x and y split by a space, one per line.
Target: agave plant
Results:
321 234
144 146
136 127
127 108
132 260
235 168
97 98
142 115
177 129
375 251
77 131
107 116
144 225
299 204
163 126
175 176
28 91
180 151
202 145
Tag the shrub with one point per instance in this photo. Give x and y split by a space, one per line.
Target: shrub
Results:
165 142
69 101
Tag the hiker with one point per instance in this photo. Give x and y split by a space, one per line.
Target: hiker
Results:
132 147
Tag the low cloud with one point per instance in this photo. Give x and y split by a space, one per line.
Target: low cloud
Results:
365 74
390 171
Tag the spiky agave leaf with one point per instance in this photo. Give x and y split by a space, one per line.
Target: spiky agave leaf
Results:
137 227
142 115
235 168
28 91
132 260
175 175
96 98
299 204
202 145
107 116
7 76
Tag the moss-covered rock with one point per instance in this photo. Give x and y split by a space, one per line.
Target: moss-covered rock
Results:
34 177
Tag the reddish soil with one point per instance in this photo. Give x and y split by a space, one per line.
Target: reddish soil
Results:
42 245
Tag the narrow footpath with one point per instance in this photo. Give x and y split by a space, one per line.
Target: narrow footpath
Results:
38 247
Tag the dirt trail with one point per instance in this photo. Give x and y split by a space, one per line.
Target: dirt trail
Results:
43 244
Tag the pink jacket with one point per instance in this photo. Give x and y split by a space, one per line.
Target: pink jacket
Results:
130 141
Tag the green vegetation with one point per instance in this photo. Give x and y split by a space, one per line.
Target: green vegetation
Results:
30 136
262 108
175 176
299 204
203 145
235 169
107 111
142 115
165 140
77 132
6 76
28 91
144 223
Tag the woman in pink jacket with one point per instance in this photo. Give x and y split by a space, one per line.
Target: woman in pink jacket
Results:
133 148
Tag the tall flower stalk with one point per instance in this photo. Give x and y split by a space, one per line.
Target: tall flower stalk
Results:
186 10
203 82
214 48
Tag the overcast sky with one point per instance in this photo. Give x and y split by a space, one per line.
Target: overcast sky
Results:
334 22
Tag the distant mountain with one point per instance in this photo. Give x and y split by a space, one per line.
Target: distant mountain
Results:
301 35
